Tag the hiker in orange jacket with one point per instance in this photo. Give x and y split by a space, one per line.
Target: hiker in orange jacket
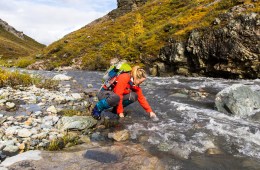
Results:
125 92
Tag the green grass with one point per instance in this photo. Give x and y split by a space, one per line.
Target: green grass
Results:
60 143
46 83
13 79
139 34
24 62
70 112
75 112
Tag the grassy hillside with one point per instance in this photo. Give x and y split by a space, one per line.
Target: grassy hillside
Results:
12 47
137 35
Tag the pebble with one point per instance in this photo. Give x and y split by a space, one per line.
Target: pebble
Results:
24 133
10 105
52 109
22 146
120 135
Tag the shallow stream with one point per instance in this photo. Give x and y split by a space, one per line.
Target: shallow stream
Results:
190 133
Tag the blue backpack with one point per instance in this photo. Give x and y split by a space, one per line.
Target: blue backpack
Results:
109 78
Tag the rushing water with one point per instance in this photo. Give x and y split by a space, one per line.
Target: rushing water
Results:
189 127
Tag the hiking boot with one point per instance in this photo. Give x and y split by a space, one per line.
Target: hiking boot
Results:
100 106
96 114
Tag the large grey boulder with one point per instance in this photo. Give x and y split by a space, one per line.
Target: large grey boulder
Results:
239 100
76 122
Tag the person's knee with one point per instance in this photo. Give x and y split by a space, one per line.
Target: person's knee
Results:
114 100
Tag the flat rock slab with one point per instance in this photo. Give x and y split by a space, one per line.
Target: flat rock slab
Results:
89 157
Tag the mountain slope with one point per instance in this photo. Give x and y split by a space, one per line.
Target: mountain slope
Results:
139 35
15 44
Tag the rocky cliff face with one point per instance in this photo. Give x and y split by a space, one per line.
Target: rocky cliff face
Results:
10 29
129 3
229 48
15 44
125 6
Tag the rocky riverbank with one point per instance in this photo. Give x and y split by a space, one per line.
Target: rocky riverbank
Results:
36 118
191 134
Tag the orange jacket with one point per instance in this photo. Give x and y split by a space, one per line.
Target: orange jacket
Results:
123 87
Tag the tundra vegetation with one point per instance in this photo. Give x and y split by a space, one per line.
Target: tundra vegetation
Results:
15 78
137 35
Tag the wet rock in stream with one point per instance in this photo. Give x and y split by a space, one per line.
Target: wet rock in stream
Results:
238 100
120 135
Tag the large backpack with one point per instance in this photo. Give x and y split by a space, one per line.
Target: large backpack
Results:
109 78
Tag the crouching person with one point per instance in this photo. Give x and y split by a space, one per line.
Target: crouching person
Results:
123 91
